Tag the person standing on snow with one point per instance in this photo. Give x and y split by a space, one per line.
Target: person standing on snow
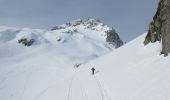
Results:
93 69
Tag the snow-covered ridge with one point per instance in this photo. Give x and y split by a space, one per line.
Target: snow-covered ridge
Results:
95 26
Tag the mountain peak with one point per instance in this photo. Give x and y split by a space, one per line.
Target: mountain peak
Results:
93 24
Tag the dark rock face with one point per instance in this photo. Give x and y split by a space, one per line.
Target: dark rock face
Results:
159 28
113 38
26 42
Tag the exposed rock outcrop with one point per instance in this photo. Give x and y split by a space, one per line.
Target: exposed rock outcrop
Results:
26 42
159 28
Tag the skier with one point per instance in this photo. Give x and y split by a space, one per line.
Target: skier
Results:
93 69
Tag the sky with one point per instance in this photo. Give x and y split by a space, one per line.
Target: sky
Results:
130 18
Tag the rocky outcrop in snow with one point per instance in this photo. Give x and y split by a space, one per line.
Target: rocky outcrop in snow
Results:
26 42
159 28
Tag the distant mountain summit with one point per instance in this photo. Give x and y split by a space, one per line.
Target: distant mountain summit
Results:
108 33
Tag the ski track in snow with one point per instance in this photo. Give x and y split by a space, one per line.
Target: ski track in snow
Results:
25 86
41 93
100 88
70 88
84 94
103 90
100 84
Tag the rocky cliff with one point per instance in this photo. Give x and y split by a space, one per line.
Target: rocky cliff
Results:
159 28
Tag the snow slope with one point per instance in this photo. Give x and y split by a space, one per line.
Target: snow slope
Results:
132 72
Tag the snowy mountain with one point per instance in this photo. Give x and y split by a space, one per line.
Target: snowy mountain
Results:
34 61
38 65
